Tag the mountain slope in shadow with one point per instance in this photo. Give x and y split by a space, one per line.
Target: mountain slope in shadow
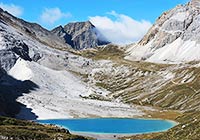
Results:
10 90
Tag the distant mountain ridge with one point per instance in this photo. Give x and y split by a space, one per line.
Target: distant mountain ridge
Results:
32 29
80 35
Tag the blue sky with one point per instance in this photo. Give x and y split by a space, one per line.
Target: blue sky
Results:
51 13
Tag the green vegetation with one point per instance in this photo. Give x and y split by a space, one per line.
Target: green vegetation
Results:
180 94
13 129
187 129
109 52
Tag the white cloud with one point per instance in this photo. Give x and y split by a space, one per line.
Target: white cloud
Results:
122 29
12 9
52 15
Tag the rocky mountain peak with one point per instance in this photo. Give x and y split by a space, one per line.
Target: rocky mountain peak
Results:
77 28
80 35
60 32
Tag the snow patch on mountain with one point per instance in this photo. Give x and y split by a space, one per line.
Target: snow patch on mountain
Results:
20 71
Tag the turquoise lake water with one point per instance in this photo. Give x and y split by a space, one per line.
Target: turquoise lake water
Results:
112 125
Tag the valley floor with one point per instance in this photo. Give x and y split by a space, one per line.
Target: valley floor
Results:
62 97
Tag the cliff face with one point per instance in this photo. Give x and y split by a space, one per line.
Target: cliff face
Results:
80 35
173 38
